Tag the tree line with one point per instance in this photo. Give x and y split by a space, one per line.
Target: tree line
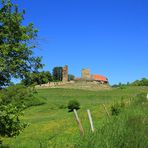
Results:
141 82
43 77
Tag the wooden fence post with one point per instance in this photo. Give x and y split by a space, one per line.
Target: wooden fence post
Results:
106 110
90 120
79 123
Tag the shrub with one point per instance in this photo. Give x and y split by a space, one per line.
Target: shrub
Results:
71 77
18 95
13 100
142 82
73 104
10 124
37 78
116 108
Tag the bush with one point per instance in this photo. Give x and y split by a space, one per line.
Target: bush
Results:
73 104
71 77
18 95
10 124
37 78
142 82
13 100
115 109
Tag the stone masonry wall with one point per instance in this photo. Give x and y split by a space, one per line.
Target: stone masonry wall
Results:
65 73
85 74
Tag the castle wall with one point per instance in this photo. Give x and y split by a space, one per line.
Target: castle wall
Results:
85 74
65 73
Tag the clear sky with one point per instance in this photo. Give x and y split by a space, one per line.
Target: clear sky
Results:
108 36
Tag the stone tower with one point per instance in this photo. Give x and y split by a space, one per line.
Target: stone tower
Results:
65 73
85 74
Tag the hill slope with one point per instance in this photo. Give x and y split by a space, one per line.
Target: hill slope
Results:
52 126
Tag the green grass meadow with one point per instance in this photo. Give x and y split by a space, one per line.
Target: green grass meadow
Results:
52 126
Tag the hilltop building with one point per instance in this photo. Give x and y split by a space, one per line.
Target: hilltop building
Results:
85 76
99 78
65 73
87 81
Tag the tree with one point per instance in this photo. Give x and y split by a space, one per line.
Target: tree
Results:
16 61
10 124
45 77
142 82
57 73
16 44
37 78
71 77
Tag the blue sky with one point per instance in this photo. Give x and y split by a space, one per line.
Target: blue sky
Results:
108 36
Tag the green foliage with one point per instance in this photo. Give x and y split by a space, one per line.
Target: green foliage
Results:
4 146
127 130
16 42
13 100
52 126
16 61
140 99
142 82
57 73
120 85
62 106
19 95
37 78
71 77
10 124
73 104
115 109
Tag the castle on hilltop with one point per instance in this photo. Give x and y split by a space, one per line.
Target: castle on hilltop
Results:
87 81
85 76
94 77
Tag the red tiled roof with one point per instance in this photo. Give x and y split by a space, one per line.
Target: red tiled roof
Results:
99 78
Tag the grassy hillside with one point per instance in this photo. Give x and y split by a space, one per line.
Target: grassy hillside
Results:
51 125
127 129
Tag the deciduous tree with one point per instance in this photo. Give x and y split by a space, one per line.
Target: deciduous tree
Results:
37 78
57 73
16 44
16 61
